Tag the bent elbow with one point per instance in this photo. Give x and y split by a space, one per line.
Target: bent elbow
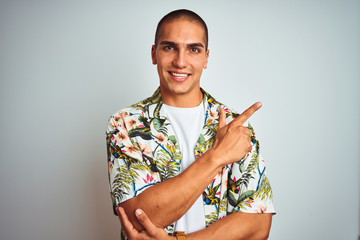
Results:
260 235
264 235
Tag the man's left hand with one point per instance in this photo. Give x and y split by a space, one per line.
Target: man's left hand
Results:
151 231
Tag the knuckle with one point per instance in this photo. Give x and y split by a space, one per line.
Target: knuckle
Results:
239 130
230 128
245 131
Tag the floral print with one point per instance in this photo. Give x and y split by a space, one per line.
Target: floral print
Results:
143 150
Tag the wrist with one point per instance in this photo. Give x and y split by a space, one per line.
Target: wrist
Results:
214 159
180 235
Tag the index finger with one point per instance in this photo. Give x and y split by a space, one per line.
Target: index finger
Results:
247 113
128 228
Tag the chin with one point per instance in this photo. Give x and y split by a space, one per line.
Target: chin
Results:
181 90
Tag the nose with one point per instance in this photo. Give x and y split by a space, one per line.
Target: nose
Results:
180 59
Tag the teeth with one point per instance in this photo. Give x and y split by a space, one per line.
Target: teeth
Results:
179 74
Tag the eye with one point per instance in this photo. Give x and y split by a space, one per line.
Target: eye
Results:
168 48
195 50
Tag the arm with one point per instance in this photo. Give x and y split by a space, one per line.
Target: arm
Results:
169 200
236 226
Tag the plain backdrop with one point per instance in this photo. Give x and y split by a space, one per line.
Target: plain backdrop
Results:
66 66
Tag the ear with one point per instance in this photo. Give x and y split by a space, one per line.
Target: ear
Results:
206 58
153 57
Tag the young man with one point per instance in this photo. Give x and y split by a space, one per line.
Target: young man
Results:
180 160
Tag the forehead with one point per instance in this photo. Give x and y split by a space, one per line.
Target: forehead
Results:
182 30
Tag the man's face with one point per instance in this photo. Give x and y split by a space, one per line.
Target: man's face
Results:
180 56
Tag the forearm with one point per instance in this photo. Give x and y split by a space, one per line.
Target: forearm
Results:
167 201
237 226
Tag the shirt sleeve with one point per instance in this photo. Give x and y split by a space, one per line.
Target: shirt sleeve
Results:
249 188
129 173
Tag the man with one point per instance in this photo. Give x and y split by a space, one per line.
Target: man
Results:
180 160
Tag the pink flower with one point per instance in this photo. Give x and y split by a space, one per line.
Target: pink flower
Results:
122 137
130 149
131 122
261 209
115 123
145 149
148 178
160 138
123 114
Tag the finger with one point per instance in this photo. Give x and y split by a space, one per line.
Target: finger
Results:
128 228
122 225
146 222
240 120
222 117
119 216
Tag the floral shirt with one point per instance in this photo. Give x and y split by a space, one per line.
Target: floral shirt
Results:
143 151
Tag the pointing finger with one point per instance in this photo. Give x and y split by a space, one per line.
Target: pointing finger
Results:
247 113
222 117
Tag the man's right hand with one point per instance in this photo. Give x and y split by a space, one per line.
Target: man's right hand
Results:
233 140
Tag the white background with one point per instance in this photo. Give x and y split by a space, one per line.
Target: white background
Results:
67 65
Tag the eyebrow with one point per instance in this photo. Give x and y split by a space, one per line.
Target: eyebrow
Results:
188 45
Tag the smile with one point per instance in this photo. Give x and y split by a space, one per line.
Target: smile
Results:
179 75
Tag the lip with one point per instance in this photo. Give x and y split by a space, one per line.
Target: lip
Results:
179 78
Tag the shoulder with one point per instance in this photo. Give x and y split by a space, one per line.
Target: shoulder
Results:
130 113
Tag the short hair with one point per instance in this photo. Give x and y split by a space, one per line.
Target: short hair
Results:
182 14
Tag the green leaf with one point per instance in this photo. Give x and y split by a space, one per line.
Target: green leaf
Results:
232 199
173 139
245 195
201 139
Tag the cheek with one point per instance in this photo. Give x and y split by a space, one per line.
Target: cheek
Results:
163 61
160 69
200 65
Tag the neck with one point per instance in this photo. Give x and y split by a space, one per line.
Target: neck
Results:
187 100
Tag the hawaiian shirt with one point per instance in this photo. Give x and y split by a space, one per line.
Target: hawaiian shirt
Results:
143 151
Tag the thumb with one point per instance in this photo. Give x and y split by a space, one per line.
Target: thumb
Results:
222 117
145 221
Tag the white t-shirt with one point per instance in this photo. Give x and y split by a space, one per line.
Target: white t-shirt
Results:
187 124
